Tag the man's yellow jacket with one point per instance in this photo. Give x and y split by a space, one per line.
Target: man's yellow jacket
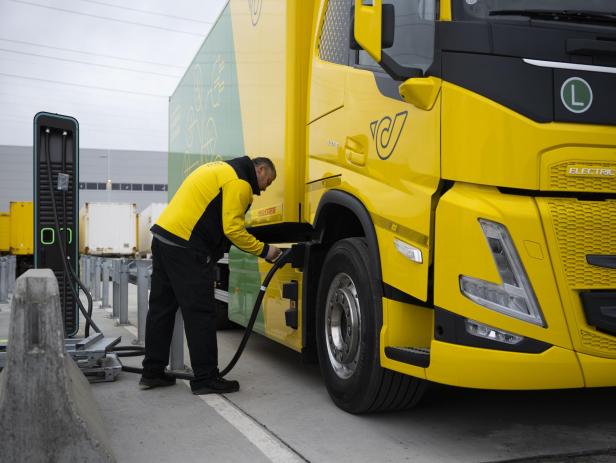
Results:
207 211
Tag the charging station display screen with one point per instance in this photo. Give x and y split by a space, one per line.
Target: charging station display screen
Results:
56 169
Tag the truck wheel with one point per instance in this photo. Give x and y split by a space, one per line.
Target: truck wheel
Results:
348 324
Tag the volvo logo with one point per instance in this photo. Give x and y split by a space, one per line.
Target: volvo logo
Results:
386 133
255 10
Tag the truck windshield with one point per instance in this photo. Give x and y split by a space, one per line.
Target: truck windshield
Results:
587 11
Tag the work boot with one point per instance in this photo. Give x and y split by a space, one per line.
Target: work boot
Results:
162 380
216 385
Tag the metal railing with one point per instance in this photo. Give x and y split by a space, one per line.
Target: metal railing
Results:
8 267
96 274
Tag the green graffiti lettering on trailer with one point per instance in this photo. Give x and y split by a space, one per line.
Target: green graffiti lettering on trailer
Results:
205 121
205 124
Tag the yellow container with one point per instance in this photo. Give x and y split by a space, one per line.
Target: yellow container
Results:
22 228
5 231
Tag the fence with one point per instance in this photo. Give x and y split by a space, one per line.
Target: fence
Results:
8 267
97 273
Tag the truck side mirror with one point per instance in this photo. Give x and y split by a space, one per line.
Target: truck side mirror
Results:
372 29
388 26
367 26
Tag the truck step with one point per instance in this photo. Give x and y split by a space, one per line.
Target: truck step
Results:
418 356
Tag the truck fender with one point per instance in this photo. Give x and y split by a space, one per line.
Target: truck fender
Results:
327 206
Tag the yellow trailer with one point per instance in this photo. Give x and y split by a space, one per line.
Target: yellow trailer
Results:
5 231
22 228
456 160
22 234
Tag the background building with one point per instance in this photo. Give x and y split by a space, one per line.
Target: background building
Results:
138 177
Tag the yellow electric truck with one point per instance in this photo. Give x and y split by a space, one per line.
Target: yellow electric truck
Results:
451 166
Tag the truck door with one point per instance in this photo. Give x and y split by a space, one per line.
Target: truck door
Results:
395 146
330 65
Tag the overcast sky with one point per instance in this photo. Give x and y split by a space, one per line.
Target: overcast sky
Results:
111 64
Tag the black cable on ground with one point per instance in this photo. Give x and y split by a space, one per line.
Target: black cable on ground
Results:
67 268
283 259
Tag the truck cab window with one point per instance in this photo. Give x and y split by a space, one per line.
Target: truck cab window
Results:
334 42
413 37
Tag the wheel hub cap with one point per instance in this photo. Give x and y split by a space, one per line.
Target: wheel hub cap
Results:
343 325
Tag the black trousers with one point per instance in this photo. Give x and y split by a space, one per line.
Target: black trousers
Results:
181 277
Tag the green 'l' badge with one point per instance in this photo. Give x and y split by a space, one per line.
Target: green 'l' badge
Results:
576 95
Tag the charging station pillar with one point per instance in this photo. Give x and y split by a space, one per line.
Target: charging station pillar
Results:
56 201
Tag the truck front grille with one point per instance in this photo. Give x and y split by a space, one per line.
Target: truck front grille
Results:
597 341
560 181
582 228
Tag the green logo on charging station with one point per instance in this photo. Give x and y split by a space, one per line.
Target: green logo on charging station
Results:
576 95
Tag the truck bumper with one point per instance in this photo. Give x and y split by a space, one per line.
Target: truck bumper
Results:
556 368
598 371
465 366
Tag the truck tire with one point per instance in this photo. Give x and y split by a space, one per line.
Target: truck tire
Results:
348 324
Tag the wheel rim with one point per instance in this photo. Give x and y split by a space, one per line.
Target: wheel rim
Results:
343 325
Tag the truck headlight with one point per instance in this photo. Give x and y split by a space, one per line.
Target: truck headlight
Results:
515 296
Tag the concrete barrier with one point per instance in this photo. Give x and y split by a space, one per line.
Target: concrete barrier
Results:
47 412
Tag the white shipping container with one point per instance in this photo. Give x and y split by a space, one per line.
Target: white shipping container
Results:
146 219
108 229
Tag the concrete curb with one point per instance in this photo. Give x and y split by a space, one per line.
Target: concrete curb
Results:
47 411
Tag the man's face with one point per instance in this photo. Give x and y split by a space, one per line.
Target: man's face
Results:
265 177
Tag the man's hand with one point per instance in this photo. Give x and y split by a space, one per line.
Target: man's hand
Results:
273 253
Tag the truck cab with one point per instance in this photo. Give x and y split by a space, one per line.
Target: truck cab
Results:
479 138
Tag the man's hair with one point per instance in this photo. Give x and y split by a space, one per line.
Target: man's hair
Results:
267 162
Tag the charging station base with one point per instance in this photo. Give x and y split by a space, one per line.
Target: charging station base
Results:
91 356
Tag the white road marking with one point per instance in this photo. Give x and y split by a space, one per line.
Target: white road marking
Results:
272 447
